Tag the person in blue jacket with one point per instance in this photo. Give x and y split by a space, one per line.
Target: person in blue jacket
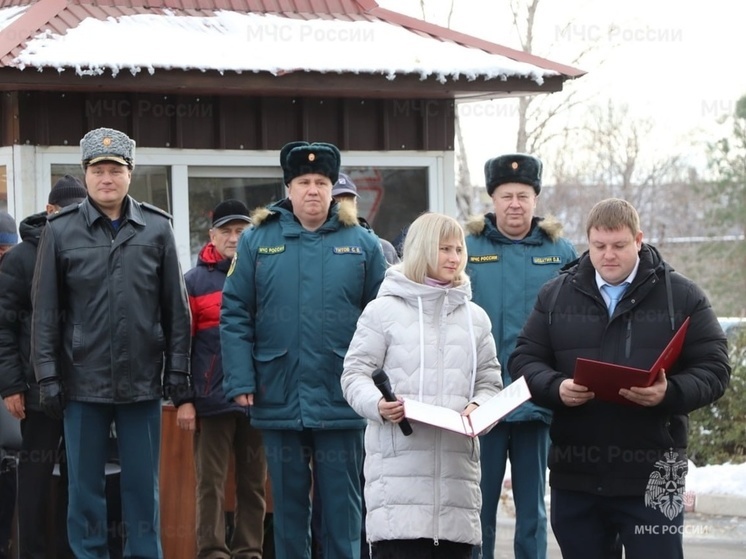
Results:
512 253
301 276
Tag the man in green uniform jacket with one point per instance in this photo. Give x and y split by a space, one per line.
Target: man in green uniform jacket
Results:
300 279
512 253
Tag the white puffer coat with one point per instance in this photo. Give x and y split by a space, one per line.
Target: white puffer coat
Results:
436 347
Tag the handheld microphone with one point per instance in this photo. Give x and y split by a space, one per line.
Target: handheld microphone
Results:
381 380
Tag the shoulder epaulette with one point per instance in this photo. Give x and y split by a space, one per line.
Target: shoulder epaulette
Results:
156 209
64 211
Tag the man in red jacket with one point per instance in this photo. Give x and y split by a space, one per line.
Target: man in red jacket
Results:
223 427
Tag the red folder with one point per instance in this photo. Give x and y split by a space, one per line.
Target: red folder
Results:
606 379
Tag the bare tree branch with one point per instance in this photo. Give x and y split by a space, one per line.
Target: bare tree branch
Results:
450 14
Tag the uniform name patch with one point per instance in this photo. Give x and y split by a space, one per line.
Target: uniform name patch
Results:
484 258
271 250
348 250
546 260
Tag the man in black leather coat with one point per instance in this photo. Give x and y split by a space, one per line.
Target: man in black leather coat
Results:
110 337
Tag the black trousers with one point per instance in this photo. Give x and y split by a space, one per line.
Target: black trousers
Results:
421 549
7 504
586 525
41 450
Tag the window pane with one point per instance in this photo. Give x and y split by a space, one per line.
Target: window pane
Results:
390 198
207 192
150 183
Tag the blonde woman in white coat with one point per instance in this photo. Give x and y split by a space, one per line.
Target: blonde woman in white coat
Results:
422 491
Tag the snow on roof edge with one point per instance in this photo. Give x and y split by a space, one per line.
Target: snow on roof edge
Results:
263 42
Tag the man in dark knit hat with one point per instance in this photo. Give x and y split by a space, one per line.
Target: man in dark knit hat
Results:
66 191
18 387
512 253
110 339
301 276
222 429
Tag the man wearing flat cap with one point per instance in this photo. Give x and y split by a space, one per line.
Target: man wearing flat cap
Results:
110 338
222 429
512 253
300 279
18 387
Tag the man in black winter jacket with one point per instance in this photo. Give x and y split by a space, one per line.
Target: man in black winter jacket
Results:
18 387
620 467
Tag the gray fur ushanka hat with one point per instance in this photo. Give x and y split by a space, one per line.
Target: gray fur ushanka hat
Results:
107 144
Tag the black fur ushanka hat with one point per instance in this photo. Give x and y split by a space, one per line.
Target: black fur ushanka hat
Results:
302 158
514 167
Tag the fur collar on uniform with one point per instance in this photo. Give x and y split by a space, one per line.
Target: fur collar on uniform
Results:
550 225
347 213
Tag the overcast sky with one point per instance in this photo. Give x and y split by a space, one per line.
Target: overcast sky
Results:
677 63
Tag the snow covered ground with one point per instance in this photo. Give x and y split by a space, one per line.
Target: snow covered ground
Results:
727 480
724 479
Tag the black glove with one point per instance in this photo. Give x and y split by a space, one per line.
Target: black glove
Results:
52 397
177 387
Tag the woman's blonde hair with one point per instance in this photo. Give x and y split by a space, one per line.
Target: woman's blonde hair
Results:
422 245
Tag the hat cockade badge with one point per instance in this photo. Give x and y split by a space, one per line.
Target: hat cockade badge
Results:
311 156
106 141
514 165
